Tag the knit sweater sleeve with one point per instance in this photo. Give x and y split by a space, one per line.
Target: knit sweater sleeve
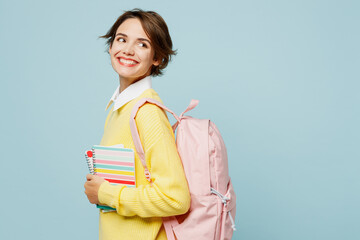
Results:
168 194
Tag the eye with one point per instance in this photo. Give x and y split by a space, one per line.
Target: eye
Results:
121 40
141 44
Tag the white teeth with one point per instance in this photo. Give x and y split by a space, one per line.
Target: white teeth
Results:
127 61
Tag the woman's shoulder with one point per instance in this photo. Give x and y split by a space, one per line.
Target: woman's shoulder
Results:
151 120
150 93
150 111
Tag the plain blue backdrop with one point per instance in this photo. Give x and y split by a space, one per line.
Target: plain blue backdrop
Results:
279 78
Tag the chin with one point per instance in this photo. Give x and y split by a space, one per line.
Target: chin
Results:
132 74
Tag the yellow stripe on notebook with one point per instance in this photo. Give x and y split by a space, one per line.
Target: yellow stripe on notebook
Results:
114 172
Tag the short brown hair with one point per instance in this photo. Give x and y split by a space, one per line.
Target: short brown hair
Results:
155 28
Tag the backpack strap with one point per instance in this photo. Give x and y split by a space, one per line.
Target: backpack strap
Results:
191 106
169 222
135 133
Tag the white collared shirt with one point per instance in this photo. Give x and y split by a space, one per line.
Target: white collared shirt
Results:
131 92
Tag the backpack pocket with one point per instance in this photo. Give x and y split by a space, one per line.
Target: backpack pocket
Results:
202 222
228 214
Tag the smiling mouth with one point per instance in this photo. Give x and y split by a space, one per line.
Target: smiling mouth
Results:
127 62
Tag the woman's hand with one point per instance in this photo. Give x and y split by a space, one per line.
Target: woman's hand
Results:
92 186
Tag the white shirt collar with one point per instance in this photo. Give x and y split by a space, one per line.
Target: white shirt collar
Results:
131 92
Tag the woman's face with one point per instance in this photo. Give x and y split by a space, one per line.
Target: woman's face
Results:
131 53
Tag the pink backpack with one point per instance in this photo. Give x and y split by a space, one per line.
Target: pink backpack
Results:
203 154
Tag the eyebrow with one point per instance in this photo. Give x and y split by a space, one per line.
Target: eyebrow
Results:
141 39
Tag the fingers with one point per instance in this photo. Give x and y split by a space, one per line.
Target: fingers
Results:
92 186
86 186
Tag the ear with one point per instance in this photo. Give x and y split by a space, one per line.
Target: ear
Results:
156 62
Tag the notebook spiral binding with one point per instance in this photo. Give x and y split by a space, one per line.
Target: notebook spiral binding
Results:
94 161
89 161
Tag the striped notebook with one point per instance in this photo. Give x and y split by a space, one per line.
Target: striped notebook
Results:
115 164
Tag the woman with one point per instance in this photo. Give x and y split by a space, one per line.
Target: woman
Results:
140 47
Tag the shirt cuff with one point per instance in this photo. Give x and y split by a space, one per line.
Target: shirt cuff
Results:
110 194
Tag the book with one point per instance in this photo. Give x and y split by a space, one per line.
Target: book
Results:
115 164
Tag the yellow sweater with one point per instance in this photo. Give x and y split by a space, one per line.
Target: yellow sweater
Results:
139 210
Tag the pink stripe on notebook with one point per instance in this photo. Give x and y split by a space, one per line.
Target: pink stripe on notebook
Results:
115 176
114 163
114 153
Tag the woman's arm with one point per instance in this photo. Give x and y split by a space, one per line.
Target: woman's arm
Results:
168 194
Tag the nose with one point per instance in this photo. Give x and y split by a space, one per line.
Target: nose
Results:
128 49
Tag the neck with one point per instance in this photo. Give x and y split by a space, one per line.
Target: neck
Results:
126 82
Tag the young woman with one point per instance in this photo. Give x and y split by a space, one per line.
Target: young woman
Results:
140 47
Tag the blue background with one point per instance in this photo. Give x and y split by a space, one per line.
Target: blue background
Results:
279 78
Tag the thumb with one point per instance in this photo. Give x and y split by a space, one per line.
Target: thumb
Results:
89 177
